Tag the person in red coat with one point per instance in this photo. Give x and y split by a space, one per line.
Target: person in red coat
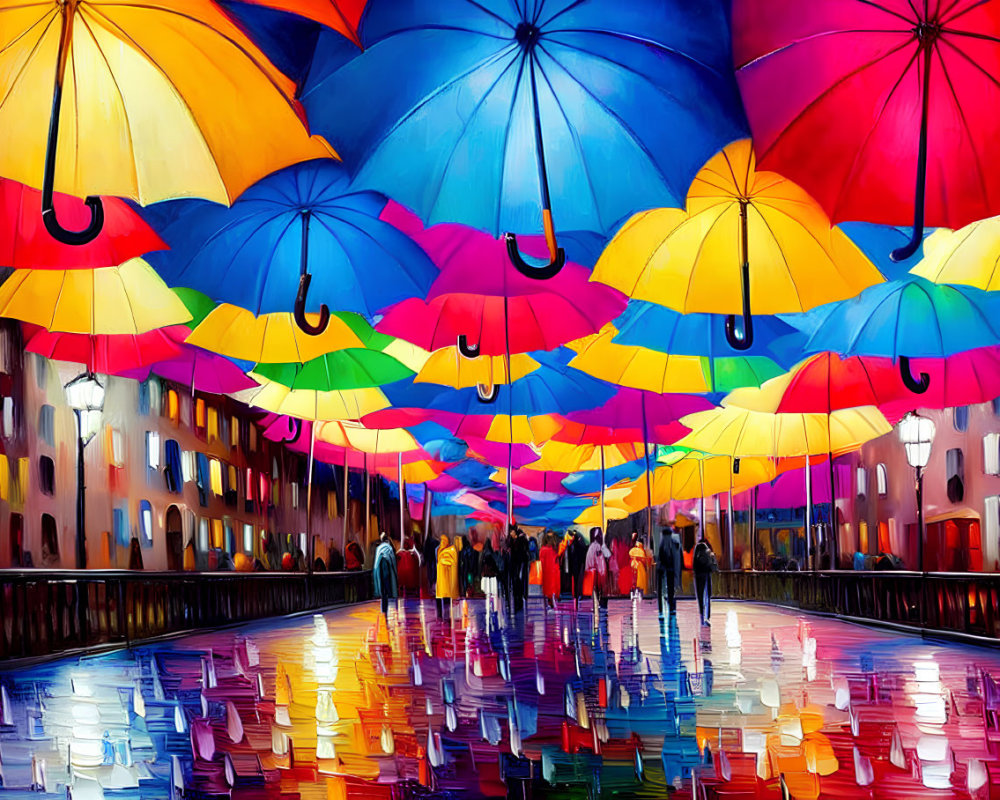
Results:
408 569
550 570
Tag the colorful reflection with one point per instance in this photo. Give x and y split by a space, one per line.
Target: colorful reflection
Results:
765 704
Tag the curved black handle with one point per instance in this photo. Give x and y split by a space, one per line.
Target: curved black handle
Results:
911 383
550 270
744 341
487 394
466 349
300 309
739 341
908 249
295 429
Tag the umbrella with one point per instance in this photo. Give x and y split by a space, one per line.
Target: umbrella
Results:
695 474
736 217
128 299
630 408
533 480
162 99
109 354
202 370
516 107
343 16
485 304
883 91
905 319
26 244
312 404
276 338
564 457
354 368
741 432
449 367
970 256
298 227
357 437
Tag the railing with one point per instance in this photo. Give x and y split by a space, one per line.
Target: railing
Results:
962 603
46 612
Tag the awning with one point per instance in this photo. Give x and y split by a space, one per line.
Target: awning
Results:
957 513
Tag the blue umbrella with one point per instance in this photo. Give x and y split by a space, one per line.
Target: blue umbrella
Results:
484 111
904 319
878 242
258 253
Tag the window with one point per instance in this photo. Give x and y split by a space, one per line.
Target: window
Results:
152 450
295 494
122 532
232 486
275 472
50 541
47 425
46 475
956 475
215 474
203 535
996 406
189 465
212 425
234 431
960 418
173 472
200 416
861 480
247 537
8 416
115 447
41 371
173 407
144 398
882 480
253 438
202 476
217 533
991 522
146 522
229 543
17 541
991 454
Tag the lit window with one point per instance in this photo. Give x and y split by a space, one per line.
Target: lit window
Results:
8 416
120 525
233 485
248 537
217 533
275 472
41 370
249 484
253 438
116 448
173 407
189 467
213 425
991 454
203 535
861 479
234 431
991 521
144 396
152 450
146 521
960 418
215 476
882 480
229 543
295 495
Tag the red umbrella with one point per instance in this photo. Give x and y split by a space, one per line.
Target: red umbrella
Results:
883 92
25 244
481 296
108 354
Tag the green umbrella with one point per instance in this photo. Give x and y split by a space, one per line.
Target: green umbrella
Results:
354 368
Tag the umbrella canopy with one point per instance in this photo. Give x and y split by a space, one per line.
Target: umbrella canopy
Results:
631 408
310 404
700 475
154 100
970 256
564 457
480 296
108 354
355 368
26 244
882 92
128 299
204 371
741 432
343 16
276 338
357 437
449 367
520 112
747 239
301 220
533 480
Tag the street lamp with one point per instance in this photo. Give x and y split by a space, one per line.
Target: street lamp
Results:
85 395
917 435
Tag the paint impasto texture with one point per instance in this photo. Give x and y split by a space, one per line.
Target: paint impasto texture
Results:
764 704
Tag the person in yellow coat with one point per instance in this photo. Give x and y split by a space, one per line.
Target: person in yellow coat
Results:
640 561
447 576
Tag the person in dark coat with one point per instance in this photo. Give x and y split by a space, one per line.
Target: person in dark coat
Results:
430 560
384 573
576 558
336 559
519 562
468 568
669 561
704 566
489 574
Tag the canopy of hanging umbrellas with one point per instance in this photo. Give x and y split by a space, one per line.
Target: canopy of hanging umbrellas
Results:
526 250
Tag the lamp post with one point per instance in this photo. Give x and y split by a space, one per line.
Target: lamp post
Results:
917 435
85 395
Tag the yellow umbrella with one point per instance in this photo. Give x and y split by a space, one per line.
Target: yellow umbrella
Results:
970 256
448 367
407 353
742 432
637 367
598 515
521 429
366 440
564 457
127 299
736 218
272 338
311 404
152 99
699 474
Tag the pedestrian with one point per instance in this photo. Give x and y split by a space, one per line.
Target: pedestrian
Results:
639 561
489 574
519 561
384 573
550 570
431 544
668 568
576 557
408 569
468 566
704 565
354 557
446 586
597 567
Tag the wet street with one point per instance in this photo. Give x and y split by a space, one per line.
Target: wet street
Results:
766 703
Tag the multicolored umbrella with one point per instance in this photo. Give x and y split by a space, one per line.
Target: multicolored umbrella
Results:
154 100
297 228
736 217
883 91
509 110
482 302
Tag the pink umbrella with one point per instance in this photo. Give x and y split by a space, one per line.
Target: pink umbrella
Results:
110 354
481 296
539 481
495 453
630 407
201 370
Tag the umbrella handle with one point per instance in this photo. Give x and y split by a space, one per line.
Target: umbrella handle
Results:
550 270
742 341
911 383
295 430
487 393
300 309
96 224
466 349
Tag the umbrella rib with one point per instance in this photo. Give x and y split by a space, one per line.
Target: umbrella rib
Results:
701 246
31 54
963 12
889 11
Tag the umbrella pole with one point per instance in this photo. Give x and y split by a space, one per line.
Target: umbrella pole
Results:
649 490
310 550
347 473
368 505
834 533
810 552
604 520
729 521
428 500
510 486
402 498
701 486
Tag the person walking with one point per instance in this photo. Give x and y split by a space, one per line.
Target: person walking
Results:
408 569
576 557
598 568
519 562
489 574
431 544
704 565
385 573
446 588
639 561
550 570
668 568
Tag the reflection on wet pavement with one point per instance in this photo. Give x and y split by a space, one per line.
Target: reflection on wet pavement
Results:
764 704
